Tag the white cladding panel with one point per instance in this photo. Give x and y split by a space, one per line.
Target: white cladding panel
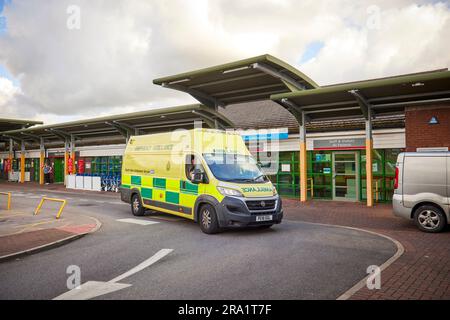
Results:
382 139
102 151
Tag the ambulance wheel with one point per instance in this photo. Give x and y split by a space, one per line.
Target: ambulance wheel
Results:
136 205
207 219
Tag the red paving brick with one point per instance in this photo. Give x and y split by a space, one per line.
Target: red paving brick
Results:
422 272
28 240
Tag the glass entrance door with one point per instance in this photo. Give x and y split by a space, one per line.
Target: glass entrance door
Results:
345 176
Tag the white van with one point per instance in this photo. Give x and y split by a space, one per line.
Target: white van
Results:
422 189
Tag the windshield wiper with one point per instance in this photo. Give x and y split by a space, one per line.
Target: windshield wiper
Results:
260 176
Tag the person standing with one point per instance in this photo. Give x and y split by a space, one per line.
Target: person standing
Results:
46 173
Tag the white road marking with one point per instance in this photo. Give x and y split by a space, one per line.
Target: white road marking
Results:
157 256
92 289
137 221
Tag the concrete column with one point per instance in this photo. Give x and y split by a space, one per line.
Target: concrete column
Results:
369 148
41 161
22 162
303 161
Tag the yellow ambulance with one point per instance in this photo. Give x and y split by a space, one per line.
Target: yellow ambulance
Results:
205 175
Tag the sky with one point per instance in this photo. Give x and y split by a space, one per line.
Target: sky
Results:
65 60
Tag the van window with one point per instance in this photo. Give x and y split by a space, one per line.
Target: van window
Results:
192 162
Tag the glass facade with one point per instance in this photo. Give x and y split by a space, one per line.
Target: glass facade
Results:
338 175
104 165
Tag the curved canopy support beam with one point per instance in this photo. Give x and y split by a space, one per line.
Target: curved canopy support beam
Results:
275 73
203 98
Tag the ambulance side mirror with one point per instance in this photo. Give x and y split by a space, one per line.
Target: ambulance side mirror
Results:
198 176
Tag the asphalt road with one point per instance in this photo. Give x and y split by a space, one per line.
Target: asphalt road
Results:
292 260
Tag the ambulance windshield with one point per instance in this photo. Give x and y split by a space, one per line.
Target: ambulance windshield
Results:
235 168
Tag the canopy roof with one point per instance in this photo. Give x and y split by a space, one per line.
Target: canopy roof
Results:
145 122
246 80
384 96
13 124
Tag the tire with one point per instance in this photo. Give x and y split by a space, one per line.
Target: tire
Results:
429 218
207 218
136 206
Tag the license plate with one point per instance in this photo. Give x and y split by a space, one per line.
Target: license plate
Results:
263 218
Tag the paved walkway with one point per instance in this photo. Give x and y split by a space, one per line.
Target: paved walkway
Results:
422 272
23 232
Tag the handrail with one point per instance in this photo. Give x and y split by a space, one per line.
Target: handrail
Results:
376 191
51 199
312 187
8 206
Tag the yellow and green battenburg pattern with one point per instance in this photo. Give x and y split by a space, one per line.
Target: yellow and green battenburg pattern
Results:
164 193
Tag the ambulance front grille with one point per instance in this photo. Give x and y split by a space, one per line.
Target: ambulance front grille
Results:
261 205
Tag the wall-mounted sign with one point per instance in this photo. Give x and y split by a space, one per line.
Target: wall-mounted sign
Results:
340 144
375 167
433 120
285 167
53 154
320 157
265 134
326 170
433 149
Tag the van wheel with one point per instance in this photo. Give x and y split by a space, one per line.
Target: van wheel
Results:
429 218
207 219
136 206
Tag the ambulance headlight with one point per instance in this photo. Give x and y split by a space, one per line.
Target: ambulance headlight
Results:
229 192
274 191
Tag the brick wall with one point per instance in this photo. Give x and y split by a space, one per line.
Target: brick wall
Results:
421 134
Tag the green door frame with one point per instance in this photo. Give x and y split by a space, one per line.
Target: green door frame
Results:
357 175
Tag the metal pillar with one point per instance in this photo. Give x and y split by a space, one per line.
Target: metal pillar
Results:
367 112
303 160
11 155
41 160
72 154
66 160
369 147
22 161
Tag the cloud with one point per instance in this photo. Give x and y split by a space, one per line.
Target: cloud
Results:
108 65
